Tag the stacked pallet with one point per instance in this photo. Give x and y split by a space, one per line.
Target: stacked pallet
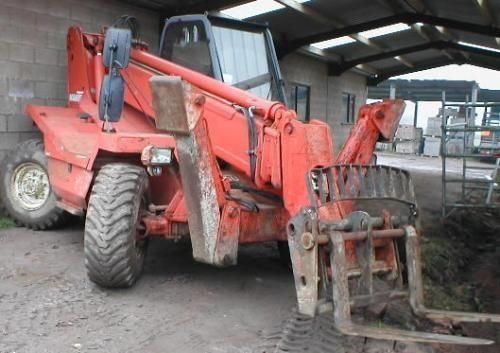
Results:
408 139
433 128
433 134
384 146
432 146
432 138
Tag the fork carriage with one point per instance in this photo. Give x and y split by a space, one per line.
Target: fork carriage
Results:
332 258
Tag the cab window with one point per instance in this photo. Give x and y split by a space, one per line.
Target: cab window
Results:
186 44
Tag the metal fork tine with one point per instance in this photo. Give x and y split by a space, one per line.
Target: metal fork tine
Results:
352 329
457 316
415 286
342 316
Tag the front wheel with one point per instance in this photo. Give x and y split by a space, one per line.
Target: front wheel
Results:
25 191
114 242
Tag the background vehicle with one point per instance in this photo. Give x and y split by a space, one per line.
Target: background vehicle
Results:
489 145
198 142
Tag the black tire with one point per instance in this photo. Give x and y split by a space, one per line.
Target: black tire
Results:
25 192
114 252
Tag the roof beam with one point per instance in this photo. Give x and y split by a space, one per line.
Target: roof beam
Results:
432 33
337 69
408 18
485 9
423 33
474 50
320 53
330 57
479 61
417 5
319 17
367 69
309 12
211 5
419 66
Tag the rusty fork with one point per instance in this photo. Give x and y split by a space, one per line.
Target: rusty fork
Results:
343 302
308 235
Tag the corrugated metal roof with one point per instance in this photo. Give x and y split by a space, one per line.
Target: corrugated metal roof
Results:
437 31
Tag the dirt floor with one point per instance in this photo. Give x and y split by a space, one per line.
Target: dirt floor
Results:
48 305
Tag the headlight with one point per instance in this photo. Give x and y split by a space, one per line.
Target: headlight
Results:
152 155
161 156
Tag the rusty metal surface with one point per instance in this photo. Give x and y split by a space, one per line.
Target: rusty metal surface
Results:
375 298
360 182
404 335
304 261
376 234
201 198
343 301
365 251
201 179
456 317
172 97
340 284
226 249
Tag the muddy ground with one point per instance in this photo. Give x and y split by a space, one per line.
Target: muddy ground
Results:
48 305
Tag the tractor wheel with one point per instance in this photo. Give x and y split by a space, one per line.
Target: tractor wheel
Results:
25 191
114 243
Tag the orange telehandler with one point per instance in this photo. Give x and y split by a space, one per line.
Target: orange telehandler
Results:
197 142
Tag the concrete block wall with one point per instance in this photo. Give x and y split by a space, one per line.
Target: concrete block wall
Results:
326 92
33 53
349 82
302 69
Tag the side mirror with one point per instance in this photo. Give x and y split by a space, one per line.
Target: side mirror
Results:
116 56
111 98
117 46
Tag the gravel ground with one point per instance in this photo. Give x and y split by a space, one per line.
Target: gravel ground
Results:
48 305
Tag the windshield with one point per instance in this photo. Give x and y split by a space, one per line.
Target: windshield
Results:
186 44
245 61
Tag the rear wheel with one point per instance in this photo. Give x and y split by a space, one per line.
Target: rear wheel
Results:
114 243
25 191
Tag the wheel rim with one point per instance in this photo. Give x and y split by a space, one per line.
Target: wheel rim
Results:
30 186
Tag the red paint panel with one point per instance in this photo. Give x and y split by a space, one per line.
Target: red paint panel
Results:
70 183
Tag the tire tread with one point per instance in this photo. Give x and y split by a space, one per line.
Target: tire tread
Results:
56 217
109 251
